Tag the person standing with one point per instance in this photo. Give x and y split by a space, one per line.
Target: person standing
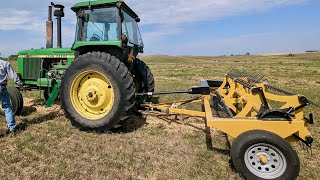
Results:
5 71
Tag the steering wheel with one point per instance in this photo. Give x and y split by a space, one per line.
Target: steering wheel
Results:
97 37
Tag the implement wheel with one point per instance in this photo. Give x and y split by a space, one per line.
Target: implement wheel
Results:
144 80
16 100
97 92
264 155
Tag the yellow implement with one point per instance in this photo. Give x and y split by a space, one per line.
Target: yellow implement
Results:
261 118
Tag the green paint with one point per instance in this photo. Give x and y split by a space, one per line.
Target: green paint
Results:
45 82
80 44
30 61
93 3
43 53
20 65
61 67
53 94
30 82
47 52
99 3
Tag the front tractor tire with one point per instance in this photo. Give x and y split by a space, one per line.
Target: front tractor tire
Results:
16 101
97 92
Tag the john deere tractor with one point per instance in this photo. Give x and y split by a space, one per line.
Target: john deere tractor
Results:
96 80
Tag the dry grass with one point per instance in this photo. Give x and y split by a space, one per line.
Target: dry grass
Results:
152 146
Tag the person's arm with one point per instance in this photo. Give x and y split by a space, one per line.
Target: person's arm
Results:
13 75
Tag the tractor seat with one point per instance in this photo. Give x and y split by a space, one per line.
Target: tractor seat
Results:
94 39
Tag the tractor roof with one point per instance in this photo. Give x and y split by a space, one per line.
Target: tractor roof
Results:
99 3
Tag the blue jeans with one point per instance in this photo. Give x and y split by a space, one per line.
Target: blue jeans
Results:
6 106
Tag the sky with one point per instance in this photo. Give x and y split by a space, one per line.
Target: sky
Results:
179 27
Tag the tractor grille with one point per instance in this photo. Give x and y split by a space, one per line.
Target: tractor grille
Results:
32 67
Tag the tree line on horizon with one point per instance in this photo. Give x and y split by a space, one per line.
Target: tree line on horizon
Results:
9 58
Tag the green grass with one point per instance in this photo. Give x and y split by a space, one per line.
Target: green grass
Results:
158 148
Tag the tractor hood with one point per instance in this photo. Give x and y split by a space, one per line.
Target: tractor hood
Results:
47 53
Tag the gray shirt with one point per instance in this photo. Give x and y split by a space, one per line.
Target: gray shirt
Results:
7 70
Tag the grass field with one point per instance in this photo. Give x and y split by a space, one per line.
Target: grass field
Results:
153 146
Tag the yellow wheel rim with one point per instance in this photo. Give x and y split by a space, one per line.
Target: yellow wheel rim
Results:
92 95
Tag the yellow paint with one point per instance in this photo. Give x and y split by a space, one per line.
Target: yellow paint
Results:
236 126
246 106
172 108
238 95
263 159
92 95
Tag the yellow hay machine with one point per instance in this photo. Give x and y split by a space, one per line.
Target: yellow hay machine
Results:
262 118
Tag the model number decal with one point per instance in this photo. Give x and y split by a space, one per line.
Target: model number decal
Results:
46 56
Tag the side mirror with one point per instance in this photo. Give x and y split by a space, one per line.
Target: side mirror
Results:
137 19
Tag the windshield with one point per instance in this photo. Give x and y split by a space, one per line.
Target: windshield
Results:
131 29
99 25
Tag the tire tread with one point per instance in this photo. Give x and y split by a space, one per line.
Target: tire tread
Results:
124 82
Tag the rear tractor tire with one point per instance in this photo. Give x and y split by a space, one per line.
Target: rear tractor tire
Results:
16 100
144 80
97 92
264 155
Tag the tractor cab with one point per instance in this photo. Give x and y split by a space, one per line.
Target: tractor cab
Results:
98 25
99 86
107 23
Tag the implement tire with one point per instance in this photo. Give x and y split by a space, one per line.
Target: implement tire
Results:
16 100
144 80
97 92
264 155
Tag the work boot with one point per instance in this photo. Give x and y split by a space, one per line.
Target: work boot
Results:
12 133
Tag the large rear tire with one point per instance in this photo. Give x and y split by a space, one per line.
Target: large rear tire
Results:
144 80
97 92
264 155
16 100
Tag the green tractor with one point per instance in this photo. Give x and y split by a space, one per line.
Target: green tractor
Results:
97 79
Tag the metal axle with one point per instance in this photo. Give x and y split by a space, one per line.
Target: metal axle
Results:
203 90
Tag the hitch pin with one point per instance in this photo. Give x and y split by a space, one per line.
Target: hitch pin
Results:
291 109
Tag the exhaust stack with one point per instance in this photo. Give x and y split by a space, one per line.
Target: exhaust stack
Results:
59 13
49 29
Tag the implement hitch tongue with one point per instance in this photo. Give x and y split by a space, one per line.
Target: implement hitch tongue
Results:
249 104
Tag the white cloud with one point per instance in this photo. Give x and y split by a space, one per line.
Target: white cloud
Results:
254 43
182 11
153 36
8 47
167 17
170 16
165 12
22 18
11 19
